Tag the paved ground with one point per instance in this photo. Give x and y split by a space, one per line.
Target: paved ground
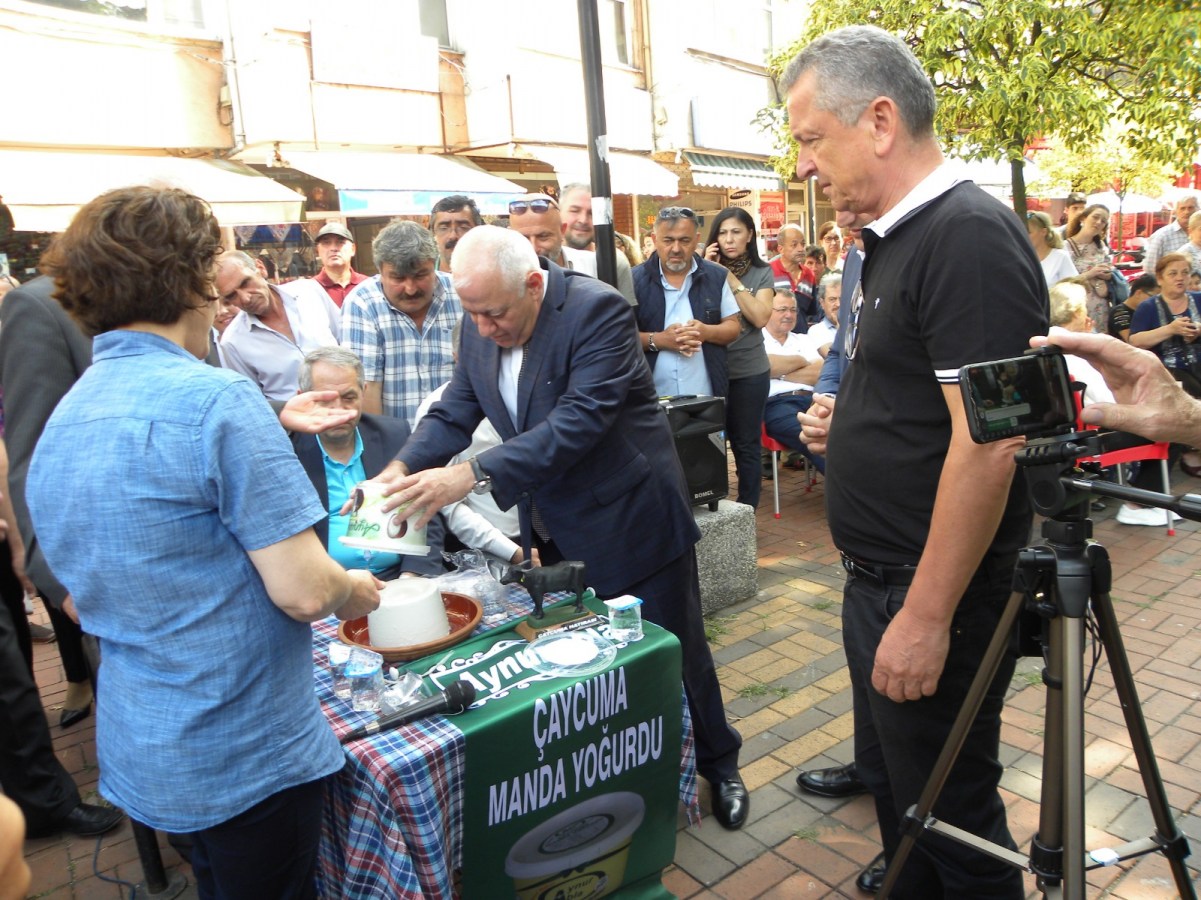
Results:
781 665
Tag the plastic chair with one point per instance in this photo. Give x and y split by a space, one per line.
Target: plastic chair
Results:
1146 453
776 448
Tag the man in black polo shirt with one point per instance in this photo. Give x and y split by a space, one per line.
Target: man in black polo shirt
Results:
929 523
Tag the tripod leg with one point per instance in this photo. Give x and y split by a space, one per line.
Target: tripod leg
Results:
1173 844
1058 853
916 818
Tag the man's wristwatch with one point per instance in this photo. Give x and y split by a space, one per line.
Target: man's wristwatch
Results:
483 481
650 342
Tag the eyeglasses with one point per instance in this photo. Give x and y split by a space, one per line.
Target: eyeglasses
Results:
851 339
668 213
539 205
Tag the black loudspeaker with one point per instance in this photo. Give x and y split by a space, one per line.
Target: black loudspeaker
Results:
697 424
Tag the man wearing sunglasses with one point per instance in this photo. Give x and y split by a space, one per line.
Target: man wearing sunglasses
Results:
537 217
686 311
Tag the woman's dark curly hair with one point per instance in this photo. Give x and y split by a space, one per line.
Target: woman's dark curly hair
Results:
135 254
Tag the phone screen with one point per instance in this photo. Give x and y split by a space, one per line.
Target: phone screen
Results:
1028 395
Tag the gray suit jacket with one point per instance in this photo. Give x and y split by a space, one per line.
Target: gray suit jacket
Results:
42 354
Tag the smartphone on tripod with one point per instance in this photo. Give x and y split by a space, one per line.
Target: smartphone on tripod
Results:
1026 396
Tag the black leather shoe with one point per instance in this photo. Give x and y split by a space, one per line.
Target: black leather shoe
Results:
74 716
731 803
839 781
85 820
871 879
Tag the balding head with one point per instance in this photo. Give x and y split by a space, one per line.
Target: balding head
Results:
499 282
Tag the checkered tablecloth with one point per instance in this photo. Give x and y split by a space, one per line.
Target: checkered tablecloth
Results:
393 815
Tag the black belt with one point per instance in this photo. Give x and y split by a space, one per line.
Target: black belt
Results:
797 392
884 576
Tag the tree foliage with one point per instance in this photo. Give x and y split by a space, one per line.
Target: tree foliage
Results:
1008 71
1107 165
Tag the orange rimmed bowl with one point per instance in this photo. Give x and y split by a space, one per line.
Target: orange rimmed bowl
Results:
463 612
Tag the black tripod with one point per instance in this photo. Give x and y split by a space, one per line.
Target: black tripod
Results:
1061 581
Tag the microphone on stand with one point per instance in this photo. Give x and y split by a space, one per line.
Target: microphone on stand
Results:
457 697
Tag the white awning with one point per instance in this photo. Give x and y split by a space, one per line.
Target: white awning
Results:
629 173
403 184
44 189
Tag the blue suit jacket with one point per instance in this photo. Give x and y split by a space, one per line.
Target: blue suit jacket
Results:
382 437
591 444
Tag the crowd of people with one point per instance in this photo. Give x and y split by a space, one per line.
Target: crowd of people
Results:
492 382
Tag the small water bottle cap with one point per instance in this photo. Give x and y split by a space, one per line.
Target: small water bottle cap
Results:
626 601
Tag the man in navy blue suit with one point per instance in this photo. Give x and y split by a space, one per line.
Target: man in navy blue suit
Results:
552 358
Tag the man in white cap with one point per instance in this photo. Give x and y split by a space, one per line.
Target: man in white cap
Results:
335 249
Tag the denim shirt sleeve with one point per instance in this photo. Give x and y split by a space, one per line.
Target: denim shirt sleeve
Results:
257 484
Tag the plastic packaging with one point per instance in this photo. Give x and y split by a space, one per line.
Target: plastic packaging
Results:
339 654
473 578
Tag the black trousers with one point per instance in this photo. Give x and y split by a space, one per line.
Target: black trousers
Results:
30 773
897 744
70 645
671 598
270 850
744 414
13 596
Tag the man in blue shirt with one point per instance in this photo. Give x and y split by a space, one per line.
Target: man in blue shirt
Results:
340 457
686 312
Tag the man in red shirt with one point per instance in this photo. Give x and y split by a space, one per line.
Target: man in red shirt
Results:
792 275
335 249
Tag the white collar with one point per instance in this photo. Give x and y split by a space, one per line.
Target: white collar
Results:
934 185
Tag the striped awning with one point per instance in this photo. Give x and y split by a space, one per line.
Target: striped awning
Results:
735 172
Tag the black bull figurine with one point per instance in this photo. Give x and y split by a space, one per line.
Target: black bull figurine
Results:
541 580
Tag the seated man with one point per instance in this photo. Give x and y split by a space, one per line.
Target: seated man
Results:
795 365
830 297
340 457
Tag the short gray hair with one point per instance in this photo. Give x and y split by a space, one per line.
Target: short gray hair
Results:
574 186
338 357
505 256
239 257
855 65
404 246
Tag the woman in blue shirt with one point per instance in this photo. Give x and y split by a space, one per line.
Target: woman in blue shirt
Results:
167 499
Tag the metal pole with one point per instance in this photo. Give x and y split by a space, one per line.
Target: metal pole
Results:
598 141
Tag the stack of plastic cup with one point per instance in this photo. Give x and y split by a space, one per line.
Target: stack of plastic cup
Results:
365 670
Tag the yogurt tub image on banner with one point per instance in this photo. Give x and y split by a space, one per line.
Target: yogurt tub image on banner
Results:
579 853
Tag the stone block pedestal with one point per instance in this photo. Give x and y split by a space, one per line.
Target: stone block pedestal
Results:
726 555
